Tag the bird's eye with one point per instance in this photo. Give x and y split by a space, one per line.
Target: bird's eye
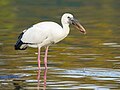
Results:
68 17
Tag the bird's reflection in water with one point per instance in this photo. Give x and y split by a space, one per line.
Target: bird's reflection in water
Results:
39 77
45 76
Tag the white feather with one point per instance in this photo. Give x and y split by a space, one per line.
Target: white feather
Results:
45 33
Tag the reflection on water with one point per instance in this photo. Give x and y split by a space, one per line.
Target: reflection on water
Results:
45 77
92 72
66 79
80 62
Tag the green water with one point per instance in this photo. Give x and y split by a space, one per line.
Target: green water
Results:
79 62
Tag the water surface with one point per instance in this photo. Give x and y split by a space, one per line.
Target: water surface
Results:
79 62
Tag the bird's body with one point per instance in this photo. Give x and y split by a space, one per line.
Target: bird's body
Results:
46 33
43 34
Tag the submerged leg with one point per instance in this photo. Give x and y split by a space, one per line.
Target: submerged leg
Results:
45 58
38 78
38 58
45 77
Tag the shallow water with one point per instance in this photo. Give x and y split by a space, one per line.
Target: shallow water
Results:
79 62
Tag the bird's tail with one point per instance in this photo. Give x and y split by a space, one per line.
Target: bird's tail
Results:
19 44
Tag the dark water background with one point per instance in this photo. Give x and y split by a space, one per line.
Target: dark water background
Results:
79 62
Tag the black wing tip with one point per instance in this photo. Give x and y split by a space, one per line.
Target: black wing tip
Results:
20 45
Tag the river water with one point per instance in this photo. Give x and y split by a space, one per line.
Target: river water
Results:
79 62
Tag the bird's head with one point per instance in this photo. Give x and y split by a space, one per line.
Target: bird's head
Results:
68 18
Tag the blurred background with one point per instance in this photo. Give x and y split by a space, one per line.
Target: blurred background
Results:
79 62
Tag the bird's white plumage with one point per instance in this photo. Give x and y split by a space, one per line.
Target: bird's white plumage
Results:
45 33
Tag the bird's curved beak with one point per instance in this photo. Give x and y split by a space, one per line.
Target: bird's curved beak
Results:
78 26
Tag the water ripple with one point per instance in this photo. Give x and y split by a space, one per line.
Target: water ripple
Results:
111 44
96 72
13 76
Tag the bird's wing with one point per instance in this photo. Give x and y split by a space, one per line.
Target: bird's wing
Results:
39 32
35 34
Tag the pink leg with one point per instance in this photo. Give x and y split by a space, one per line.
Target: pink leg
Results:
45 76
38 78
45 58
38 58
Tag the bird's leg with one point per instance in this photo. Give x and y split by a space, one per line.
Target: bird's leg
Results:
38 78
45 77
45 58
39 58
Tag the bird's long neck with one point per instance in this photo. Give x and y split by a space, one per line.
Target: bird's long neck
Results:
66 29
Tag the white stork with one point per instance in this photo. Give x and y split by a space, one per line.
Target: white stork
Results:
46 33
